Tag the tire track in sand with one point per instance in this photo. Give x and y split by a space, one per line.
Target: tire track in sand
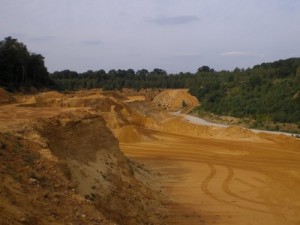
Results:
206 191
226 189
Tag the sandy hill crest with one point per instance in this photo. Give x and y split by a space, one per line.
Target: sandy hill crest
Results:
175 100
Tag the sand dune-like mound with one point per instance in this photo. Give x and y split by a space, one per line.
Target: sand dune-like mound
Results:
147 110
48 98
175 100
101 172
6 97
128 122
123 116
178 126
92 99
36 190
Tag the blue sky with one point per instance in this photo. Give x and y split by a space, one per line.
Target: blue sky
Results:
175 35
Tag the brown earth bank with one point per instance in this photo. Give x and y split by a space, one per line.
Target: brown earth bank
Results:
68 132
61 163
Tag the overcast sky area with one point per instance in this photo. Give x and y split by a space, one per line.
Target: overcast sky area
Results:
174 35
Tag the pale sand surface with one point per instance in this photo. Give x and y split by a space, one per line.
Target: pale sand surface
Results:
223 181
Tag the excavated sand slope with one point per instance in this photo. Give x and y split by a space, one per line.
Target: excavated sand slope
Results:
35 188
68 153
102 173
85 155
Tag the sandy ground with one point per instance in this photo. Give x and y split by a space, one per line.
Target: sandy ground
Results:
226 182
251 181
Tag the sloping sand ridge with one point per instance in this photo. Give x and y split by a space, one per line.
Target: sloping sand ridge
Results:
169 171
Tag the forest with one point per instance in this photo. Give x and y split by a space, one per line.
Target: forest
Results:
270 91
266 92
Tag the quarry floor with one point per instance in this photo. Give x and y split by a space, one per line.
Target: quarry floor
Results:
224 181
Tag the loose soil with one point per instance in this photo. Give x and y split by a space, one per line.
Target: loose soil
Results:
61 164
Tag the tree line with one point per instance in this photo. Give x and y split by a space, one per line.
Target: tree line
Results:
270 91
266 92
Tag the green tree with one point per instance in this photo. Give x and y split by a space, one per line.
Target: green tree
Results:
298 72
205 69
18 67
13 60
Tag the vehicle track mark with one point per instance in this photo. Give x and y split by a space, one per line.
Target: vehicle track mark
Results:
225 187
259 180
206 191
246 183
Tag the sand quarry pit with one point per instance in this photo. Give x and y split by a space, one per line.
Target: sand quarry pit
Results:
210 175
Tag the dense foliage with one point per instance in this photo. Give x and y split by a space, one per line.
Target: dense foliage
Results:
19 67
270 91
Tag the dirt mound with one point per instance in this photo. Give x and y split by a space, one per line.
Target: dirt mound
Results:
178 126
92 99
48 98
117 110
238 132
175 100
35 190
101 172
129 123
152 116
66 126
6 97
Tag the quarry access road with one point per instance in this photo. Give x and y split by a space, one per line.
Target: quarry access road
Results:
200 121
